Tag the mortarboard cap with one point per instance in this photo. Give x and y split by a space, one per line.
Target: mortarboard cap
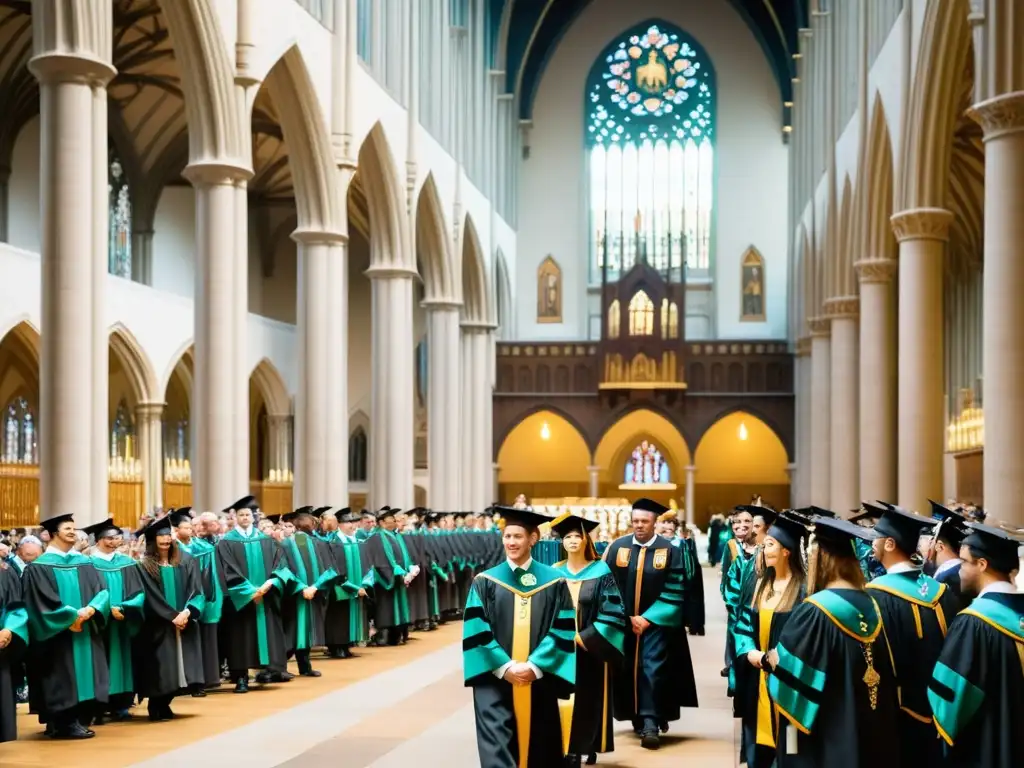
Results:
788 531
159 527
813 511
50 525
1000 547
179 516
385 512
902 527
344 512
246 502
367 513
569 523
318 512
103 530
837 536
525 518
952 526
649 505
275 519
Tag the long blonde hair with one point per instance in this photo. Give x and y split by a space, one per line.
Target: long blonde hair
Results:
767 581
825 567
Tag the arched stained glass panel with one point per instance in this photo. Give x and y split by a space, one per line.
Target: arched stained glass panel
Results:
650 135
646 466
19 435
119 253
641 315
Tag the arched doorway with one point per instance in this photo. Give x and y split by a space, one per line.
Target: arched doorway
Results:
270 440
19 420
739 456
177 433
543 456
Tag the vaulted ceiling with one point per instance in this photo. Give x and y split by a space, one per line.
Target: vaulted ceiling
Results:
535 27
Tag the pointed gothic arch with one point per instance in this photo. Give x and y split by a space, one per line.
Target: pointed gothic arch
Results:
133 358
879 242
272 387
385 201
503 296
475 293
433 245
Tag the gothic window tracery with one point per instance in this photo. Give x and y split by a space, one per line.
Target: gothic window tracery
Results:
641 315
646 466
650 133
122 433
19 436
119 254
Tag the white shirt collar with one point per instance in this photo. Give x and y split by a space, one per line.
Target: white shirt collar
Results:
905 567
949 564
246 533
103 555
999 586
52 550
525 566
646 543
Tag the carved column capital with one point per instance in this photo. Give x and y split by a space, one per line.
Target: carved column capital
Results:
875 270
150 411
922 224
1000 115
842 306
820 326
803 346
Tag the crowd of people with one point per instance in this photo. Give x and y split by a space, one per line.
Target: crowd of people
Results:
94 620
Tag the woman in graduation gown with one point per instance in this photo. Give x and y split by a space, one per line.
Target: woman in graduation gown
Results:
831 673
169 649
518 652
759 624
13 640
600 638
204 554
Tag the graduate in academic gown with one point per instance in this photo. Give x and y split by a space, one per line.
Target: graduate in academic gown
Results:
126 598
737 553
518 652
944 553
204 554
346 620
693 582
68 607
977 687
382 553
867 515
831 673
305 606
600 638
916 611
256 577
759 624
169 650
13 642
657 678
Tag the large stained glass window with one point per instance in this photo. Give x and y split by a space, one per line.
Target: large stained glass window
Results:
19 437
650 134
119 254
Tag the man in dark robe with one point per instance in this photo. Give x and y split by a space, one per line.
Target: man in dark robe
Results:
367 522
346 622
126 598
916 609
13 642
305 606
519 652
946 538
256 577
658 677
390 580
68 606
204 554
977 687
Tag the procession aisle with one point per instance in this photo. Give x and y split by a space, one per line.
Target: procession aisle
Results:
390 708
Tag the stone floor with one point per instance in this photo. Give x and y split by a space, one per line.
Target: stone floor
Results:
390 708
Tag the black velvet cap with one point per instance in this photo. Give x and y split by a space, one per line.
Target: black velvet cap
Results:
788 531
51 524
902 527
837 536
385 512
649 505
103 530
525 518
344 512
1000 547
569 523
161 526
246 502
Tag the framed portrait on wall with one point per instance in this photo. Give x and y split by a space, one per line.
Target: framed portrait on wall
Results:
752 309
549 291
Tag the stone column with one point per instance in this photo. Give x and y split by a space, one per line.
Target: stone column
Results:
594 489
477 394
791 474
321 421
878 383
71 59
219 380
821 409
445 435
1002 119
150 426
495 485
843 410
691 506
243 366
802 490
391 459
922 235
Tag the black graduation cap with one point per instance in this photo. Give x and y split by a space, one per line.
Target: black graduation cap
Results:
868 513
246 502
275 519
344 512
179 516
367 513
318 512
813 511
525 518
952 526
157 527
649 505
103 530
50 525
788 531
569 523
385 512
304 511
902 527
837 536
301 512
1000 547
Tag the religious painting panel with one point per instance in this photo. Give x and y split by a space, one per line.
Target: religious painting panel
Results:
752 268
549 291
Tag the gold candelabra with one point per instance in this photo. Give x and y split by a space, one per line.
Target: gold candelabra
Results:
966 431
177 471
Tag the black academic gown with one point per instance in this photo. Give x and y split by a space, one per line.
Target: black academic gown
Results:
380 551
67 671
168 660
14 619
528 617
419 606
311 562
251 632
832 716
693 611
346 622
977 687
951 578
657 678
916 611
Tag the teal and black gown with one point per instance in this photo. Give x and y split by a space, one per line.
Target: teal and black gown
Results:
346 621
834 684
519 616
168 660
657 678
602 627
693 583
67 671
252 634
381 553
916 611
311 562
13 617
125 588
205 555
737 566
977 688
